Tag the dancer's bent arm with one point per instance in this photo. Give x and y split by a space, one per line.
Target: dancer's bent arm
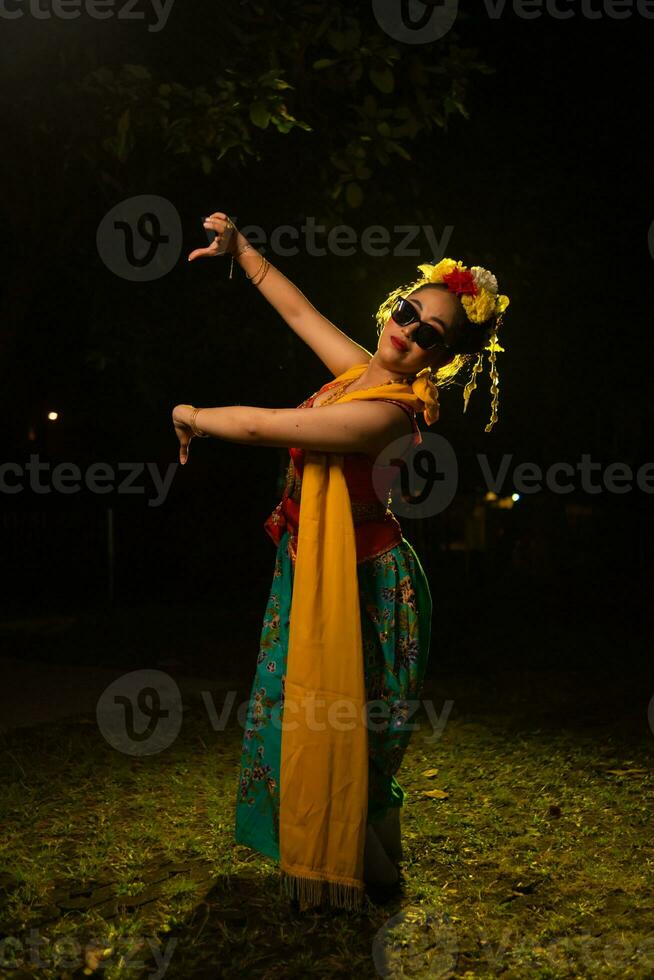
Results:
336 350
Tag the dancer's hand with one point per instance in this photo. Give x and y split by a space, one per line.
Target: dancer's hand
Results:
183 430
225 240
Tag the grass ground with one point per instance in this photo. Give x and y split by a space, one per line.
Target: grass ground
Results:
532 860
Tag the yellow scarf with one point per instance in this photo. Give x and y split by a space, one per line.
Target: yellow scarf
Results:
324 744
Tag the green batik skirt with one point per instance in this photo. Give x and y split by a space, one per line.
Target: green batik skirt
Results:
396 608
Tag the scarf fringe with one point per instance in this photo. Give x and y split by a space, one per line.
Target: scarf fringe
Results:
311 891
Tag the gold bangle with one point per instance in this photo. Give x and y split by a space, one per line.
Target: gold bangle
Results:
263 275
256 278
258 269
197 432
265 265
251 278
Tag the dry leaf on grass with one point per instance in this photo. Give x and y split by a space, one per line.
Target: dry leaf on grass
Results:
626 772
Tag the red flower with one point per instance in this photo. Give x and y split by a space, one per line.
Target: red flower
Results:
461 282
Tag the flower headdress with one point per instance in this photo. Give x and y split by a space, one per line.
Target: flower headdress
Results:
478 291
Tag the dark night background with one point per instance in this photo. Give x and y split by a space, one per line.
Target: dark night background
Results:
526 847
547 182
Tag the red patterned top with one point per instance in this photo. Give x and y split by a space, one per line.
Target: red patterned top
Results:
376 528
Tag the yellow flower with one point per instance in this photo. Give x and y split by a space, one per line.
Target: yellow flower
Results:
435 273
479 308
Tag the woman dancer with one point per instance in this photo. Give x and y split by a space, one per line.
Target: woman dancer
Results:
348 620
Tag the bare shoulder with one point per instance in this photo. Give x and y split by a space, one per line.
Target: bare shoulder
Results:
392 422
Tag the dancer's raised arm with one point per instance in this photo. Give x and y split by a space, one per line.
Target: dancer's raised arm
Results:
336 350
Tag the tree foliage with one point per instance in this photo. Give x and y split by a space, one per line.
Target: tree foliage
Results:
349 96
312 99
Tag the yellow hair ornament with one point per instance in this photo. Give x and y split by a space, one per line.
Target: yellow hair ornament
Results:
478 293
427 392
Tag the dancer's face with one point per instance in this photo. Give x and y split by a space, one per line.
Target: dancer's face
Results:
436 307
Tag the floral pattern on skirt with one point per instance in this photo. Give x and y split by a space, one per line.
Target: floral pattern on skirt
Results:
396 608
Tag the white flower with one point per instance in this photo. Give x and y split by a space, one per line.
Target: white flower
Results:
484 279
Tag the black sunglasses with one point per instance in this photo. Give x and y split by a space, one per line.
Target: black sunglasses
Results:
425 335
